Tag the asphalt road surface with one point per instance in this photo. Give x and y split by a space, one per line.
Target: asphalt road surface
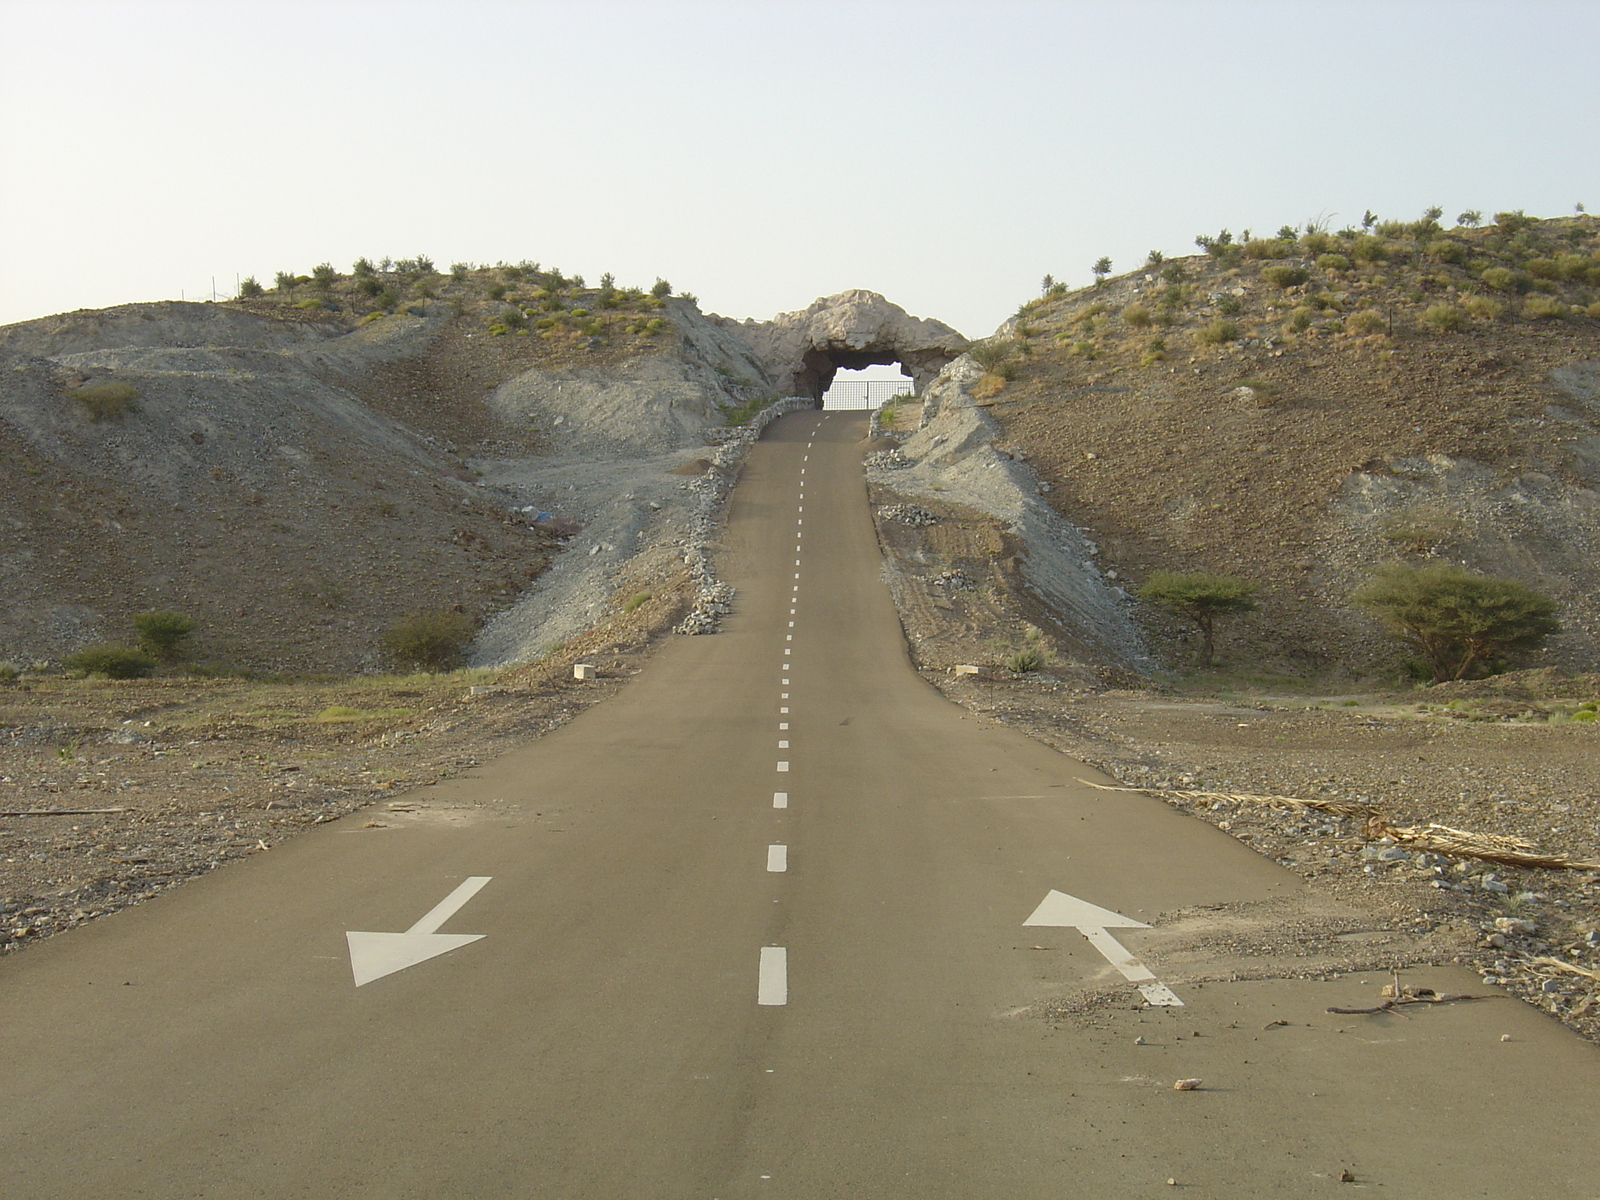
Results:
753 928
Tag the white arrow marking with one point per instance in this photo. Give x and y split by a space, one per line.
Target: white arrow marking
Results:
374 955
1092 921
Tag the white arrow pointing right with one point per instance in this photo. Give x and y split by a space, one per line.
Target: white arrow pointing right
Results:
1092 921
374 955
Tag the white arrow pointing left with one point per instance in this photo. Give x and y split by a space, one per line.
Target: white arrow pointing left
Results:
374 955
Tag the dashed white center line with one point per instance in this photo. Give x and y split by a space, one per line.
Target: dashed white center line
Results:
791 623
772 983
789 636
777 858
783 743
783 765
783 724
784 709
780 799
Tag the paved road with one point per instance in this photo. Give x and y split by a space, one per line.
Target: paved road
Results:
754 928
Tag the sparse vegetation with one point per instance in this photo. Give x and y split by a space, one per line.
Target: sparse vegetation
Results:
111 660
107 400
1215 333
1201 597
1461 622
431 641
162 632
1446 317
1024 661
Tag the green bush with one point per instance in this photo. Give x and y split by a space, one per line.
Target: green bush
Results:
1265 248
1136 315
1503 280
1300 319
1202 597
660 289
250 288
1024 661
1316 241
1459 620
993 354
1367 321
1447 251
1485 308
111 660
433 641
161 632
109 400
1512 222
9 671
635 600
1333 262
323 277
1284 276
1544 307
1215 333
1444 316
1369 249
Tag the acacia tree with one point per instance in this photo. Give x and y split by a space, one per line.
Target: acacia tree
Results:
1459 620
1202 597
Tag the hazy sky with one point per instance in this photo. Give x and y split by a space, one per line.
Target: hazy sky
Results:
759 153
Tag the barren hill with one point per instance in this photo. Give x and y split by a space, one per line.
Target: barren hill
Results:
297 469
1296 409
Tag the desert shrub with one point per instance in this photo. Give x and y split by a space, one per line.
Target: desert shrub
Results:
162 632
1593 310
285 281
988 384
1421 529
1300 319
1201 597
993 354
386 298
1512 222
1485 308
1502 279
1367 321
1216 332
1285 276
1471 218
369 285
497 290
459 271
1543 268
249 287
109 400
1137 315
660 289
9 671
1023 661
371 317
1265 248
1446 317
512 317
1229 306
1460 621
1544 307
1444 250
1315 241
1333 262
635 600
323 277
432 641
111 660
1368 249
310 302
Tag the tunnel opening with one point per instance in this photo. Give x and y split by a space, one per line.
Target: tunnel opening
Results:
868 388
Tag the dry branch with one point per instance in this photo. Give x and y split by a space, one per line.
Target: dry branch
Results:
1439 839
1561 965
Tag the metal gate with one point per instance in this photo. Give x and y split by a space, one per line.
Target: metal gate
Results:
865 393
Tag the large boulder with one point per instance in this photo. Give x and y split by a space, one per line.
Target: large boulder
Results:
801 351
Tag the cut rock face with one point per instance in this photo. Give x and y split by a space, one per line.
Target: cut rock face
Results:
801 351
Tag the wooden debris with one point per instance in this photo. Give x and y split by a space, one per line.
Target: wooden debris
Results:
57 812
1439 839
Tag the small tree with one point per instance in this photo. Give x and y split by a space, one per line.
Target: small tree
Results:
1472 217
1459 620
285 281
1101 268
433 641
323 277
1201 597
162 633
660 289
249 287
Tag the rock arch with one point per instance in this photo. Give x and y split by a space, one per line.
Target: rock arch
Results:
801 351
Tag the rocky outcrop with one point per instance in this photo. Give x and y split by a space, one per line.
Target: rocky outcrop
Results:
801 351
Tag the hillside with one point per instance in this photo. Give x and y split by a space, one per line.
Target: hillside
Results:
1296 409
297 469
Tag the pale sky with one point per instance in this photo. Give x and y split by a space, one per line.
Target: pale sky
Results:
760 153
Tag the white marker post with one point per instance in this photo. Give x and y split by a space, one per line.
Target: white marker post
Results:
1092 921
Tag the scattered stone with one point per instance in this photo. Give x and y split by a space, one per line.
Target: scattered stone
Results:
908 514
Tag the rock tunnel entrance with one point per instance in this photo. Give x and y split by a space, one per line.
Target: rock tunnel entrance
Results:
801 352
868 388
